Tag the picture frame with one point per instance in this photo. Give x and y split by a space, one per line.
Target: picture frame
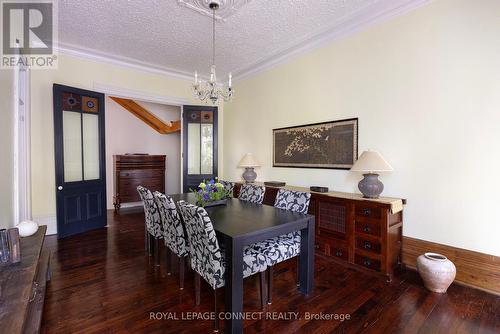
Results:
325 145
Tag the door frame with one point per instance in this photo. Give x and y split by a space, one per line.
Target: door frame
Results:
59 153
153 98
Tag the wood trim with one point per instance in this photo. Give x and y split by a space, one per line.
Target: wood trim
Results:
147 117
474 269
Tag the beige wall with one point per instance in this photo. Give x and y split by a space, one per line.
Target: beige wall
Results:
120 124
6 148
426 89
81 73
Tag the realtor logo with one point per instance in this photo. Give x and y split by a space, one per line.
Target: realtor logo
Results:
28 34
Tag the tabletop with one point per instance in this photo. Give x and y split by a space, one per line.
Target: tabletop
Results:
244 219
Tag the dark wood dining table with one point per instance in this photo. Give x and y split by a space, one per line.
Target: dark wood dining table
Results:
238 224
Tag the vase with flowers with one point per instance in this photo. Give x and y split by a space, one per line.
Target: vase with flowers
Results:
211 193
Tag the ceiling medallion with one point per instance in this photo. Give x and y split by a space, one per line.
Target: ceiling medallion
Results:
212 89
226 7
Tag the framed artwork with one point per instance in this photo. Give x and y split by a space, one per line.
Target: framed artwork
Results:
331 145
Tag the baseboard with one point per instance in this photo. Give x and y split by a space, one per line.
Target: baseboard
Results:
474 269
50 221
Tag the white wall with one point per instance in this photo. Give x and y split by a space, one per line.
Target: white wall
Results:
426 89
6 148
125 133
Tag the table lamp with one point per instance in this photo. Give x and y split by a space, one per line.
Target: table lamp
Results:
370 163
249 163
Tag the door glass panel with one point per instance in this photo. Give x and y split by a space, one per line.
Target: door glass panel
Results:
72 141
207 139
194 148
90 147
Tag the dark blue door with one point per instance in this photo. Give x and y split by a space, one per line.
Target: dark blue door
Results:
199 145
79 159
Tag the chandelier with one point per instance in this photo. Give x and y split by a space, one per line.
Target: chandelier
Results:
212 89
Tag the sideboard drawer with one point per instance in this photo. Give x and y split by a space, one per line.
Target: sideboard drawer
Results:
333 247
368 211
367 262
367 226
368 245
141 173
145 182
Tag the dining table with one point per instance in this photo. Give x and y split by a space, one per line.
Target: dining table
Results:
238 224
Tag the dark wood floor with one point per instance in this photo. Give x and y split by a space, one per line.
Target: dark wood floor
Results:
103 282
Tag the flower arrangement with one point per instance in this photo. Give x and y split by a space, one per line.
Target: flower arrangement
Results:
210 192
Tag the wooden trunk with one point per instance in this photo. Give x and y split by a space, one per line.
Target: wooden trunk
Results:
361 232
135 170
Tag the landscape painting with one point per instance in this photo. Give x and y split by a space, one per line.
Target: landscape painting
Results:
322 145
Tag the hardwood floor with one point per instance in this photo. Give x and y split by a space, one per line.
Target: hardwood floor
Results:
103 282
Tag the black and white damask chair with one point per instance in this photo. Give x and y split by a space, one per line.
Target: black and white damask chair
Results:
229 186
208 259
286 246
252 193
173 234
147 245
153 222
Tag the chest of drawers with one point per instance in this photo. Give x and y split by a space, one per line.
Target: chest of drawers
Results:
133 170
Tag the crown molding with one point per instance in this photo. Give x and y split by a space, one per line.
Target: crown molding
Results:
363 20
103 57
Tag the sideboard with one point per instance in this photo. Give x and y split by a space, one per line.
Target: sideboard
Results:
132 170
22 286
360 231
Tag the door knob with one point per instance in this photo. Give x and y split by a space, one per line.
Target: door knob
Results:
60 188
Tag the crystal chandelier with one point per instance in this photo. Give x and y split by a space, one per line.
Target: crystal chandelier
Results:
212 89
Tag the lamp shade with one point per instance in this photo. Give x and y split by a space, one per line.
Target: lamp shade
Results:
248 160
371 162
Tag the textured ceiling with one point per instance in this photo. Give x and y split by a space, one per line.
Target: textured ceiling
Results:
167 34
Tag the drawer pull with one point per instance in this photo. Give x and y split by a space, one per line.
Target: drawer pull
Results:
367 245
367 229
367 212
338 253
367 262
35 290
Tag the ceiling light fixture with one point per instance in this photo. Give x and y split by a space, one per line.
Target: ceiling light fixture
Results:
212 89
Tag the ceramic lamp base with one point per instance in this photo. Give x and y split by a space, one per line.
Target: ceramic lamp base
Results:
370 186
249 175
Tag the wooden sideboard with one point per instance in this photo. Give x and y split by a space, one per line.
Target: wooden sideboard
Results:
22 286
354 229
132 170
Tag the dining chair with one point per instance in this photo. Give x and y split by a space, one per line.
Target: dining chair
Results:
284 247
153 221
147 246
208 259
173 234
229 186
252 193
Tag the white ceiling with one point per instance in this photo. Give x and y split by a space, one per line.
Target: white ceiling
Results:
254 34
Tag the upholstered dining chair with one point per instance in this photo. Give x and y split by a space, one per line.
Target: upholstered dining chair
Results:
208 259
153 221
284 247
173 234
147 245
252 193
229 186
